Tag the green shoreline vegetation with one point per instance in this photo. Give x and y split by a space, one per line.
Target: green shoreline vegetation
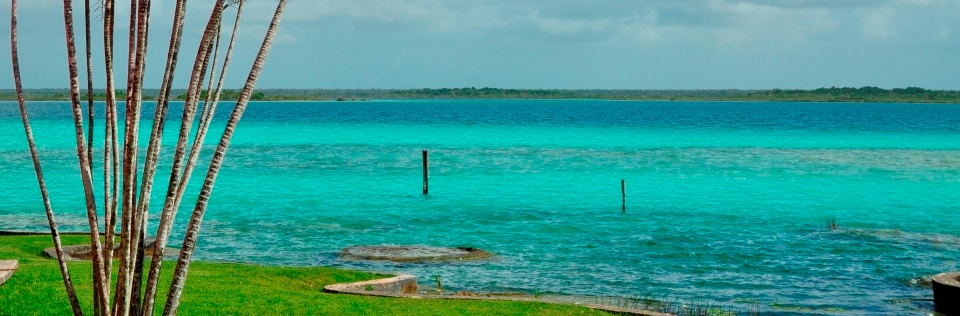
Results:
233 289
833 94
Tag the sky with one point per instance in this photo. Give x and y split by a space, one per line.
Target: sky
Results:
539 44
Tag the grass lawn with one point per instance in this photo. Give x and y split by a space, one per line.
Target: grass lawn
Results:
232 289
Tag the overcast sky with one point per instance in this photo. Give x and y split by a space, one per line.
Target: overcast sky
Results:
568 44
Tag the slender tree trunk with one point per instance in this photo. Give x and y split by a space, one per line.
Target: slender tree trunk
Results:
90 108
131 119
98 298
110 158
54 232
86 174
207 115
180 176
189 109
205 122
209 91
193 228
153 152
208 109
140 221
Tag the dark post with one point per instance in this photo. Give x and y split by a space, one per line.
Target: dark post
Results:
426 173
623 190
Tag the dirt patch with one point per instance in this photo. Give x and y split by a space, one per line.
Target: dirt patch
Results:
413 253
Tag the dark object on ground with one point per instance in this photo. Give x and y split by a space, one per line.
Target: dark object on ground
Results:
413 253
946 293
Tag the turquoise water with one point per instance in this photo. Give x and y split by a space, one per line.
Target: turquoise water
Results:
726 201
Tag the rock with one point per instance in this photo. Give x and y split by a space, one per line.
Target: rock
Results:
413 253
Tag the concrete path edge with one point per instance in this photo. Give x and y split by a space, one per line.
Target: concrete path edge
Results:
405 286
7 268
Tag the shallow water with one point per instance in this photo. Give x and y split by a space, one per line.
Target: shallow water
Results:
726 201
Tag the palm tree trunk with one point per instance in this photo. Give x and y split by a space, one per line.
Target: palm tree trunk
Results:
98 300
90 109
86 173
153 152
209 91
54 232
140 218
110 158
205 122
179 175
193 228
208 109
97 305
129 166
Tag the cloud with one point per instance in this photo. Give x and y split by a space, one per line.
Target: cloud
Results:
711 22
522 42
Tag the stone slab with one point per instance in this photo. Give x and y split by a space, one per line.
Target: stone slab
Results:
7 268
9 265
5 275
405 286
946 293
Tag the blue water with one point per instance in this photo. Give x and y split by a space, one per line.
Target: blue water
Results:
726 201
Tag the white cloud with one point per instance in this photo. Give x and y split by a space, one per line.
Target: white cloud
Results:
728 24
721 22
528 34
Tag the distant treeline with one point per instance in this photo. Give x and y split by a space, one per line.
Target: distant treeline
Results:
121 95
865 94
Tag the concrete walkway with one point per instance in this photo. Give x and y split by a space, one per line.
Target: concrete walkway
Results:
7 268
405 286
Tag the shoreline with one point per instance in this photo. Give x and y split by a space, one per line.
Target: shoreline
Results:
299 290
341 286
831 95
911 102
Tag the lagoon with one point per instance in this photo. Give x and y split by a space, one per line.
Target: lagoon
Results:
727 201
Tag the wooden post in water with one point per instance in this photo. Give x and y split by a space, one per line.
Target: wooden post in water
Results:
623 190
426 173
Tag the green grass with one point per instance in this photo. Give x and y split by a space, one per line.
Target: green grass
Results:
233 289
